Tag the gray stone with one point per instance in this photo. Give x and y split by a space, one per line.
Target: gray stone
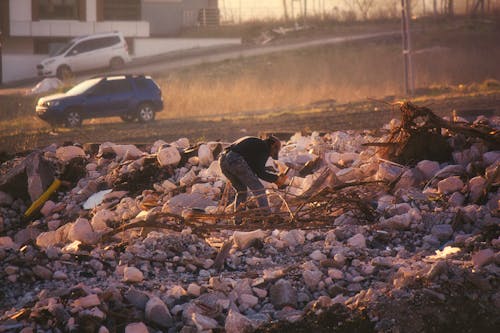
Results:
204 323
428 168
282 294
237 323
137 298
450 185
483 257
442 231
312 278
157 312
42 272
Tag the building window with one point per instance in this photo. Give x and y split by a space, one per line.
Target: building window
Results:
58 10
120 10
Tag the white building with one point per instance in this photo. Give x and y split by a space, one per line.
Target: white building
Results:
33 28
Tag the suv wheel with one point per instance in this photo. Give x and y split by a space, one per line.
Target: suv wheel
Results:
145 113
73 118
63 72
116 63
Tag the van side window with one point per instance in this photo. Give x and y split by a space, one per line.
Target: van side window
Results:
109 41
82 47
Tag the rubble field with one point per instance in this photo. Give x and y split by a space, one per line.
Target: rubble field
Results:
388 230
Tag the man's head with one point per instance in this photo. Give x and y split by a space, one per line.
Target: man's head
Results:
274 146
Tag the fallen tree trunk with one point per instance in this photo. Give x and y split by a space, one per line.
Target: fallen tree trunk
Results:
420 136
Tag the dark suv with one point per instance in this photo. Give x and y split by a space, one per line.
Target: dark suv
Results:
131 97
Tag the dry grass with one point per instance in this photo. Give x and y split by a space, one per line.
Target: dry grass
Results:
348 72
345 73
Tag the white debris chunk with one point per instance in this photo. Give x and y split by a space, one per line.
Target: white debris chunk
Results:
243 240
168 156
68 153
132 274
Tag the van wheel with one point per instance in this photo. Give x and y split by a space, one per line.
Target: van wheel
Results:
145 113
116 63
73 118
64 72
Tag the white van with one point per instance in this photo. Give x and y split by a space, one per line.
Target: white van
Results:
85 53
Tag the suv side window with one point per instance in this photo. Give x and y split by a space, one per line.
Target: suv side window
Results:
114 86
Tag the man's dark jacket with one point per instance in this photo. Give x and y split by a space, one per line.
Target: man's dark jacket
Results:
255 152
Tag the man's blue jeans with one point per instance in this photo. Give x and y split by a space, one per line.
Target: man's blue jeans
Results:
237 170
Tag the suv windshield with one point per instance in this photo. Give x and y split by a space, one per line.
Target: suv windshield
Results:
83 86
62 49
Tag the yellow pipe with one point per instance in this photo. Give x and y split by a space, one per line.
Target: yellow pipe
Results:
44 197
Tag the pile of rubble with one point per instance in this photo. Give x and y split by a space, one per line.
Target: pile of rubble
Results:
123 238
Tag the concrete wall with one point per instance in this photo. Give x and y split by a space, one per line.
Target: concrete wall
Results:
145 47
20 10
167 18
19 66
72 28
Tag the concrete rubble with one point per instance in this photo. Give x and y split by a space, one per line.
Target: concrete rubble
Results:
435 241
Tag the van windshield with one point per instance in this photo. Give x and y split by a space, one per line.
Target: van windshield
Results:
83 87
62 49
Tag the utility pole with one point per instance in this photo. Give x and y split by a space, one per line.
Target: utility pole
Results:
240 10
1 58
405 31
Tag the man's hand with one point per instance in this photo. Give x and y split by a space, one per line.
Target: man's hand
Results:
281 181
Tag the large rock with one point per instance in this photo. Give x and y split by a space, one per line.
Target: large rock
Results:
450 185
157 312
169 156
410 178
357 241
282 294
428 168
442 231
187 200
101 218
244 240
205 155
137 298
132 274
136 328
40 176
87 301
42 272
204 323
81 230
122 152
388 171
293 238
491 157
477 188
47 239
483 257
67 153
7 243
312 278
237 323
